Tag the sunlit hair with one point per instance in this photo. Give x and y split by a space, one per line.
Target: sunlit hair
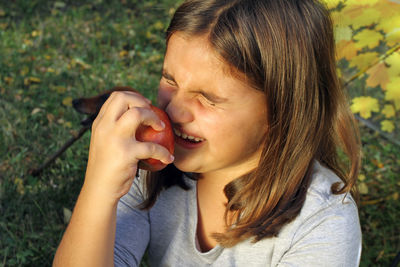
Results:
285 48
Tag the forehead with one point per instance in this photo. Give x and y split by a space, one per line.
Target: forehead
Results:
193 60
185 49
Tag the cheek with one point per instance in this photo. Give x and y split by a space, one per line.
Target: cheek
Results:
237 128
164 96
218 128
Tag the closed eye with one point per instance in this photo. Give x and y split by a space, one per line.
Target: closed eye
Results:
169 78
211 97
207 100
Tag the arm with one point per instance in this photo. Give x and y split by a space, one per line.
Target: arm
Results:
133 228
89 237
112 165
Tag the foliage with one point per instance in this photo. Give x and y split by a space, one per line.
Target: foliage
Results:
54 51
368 49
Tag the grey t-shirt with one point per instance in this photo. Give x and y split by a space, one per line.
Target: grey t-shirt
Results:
325 233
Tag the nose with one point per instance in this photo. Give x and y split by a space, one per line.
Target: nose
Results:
179 110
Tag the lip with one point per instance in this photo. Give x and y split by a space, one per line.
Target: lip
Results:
184 142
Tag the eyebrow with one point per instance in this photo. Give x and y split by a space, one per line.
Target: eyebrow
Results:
209 95
168 76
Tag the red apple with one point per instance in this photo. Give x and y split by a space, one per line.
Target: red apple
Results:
165 138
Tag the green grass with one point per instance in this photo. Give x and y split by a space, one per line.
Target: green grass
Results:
51 52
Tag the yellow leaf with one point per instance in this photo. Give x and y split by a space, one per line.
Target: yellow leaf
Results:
123 53
389 24
361 177
363 60
158 25
358 16
68 124
35 110
393 38
67 101
36 33
346 49
394 64
67 215
24 70
393 92
367 38
8 80
378 75
364 105
81 63
388 111
28 42
60 89
20 185
363 188
378 164
343 33
388 8
361 3
29 80
339 72
387 126
330 4
339 20
3 26
50 117
34 80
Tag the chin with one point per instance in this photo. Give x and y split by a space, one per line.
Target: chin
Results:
185 166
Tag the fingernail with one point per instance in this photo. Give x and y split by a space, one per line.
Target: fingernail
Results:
162 124
170 159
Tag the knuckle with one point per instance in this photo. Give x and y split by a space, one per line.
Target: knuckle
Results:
99 132
118 96
95 123
152 148
115 94
135 112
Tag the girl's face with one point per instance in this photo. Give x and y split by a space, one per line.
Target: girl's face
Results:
218 120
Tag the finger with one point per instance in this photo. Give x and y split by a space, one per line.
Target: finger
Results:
128 123
147 150
120 101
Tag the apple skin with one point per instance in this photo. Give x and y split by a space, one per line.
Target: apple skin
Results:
165 138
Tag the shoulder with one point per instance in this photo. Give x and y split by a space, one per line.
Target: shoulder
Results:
340 212
321 200
327 227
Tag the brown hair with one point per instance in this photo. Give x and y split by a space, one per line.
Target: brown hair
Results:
285 48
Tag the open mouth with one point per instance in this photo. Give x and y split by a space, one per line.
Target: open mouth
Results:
188 138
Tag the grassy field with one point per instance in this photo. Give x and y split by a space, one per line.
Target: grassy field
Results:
52 52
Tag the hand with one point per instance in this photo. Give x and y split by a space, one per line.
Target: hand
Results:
114 152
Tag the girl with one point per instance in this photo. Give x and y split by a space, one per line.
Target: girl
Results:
259 118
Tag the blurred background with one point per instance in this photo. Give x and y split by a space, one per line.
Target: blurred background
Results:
54 51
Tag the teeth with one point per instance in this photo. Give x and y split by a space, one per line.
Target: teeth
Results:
189 137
